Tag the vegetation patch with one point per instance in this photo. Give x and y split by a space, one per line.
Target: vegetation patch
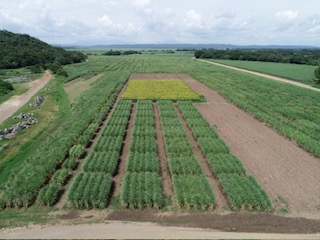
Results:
171 89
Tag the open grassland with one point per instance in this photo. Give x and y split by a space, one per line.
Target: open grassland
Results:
168 89
299 73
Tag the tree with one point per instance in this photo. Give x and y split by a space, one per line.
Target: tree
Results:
317 75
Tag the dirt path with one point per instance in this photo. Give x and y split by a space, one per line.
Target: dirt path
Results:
280 166
280 79
13 104
134 230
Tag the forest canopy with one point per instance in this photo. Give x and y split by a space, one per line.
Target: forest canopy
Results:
295 56
22 50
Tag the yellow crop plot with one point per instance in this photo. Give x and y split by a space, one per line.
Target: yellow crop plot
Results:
173 89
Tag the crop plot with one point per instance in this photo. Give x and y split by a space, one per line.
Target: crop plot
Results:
168 89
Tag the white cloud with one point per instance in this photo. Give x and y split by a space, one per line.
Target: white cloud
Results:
287 15
193 19
141 3
314 30
105 20
150 21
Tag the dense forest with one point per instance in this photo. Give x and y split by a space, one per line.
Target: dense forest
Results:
296 56
21 50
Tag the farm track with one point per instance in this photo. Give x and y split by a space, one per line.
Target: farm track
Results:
124 154
221 202
279 79
287 172
165 173
137 230
13 104
63 199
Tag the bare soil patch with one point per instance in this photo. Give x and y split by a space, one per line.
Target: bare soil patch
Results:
13 104
288 173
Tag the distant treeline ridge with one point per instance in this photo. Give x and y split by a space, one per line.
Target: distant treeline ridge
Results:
301 56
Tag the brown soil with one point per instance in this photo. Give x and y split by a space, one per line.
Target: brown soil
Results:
13 104
279 79
165 173
280 166
124 155
221 202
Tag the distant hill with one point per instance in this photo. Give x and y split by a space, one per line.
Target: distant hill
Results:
190 46
21 50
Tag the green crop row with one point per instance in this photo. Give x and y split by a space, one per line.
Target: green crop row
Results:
142 190
106 162
90 190
50 194
143 162
193 192
191 188
225 164
243 192
102 162
114 130
23 186
143 144
184 165
142 184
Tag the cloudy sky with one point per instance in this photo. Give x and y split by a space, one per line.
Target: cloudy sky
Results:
88 22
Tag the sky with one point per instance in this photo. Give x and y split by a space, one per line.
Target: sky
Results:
93 22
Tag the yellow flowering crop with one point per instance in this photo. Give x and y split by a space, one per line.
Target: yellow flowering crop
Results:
173 89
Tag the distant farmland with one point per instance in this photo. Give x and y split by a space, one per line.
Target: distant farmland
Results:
300 73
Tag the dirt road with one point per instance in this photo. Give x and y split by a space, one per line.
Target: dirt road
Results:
13 104
284 80
134 230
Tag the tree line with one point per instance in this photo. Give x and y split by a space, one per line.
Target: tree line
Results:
295 56
22 50
118 53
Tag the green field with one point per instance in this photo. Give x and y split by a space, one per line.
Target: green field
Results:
37 173
300 73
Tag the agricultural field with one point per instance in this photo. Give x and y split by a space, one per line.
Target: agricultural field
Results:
168 89
107 154
299 73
